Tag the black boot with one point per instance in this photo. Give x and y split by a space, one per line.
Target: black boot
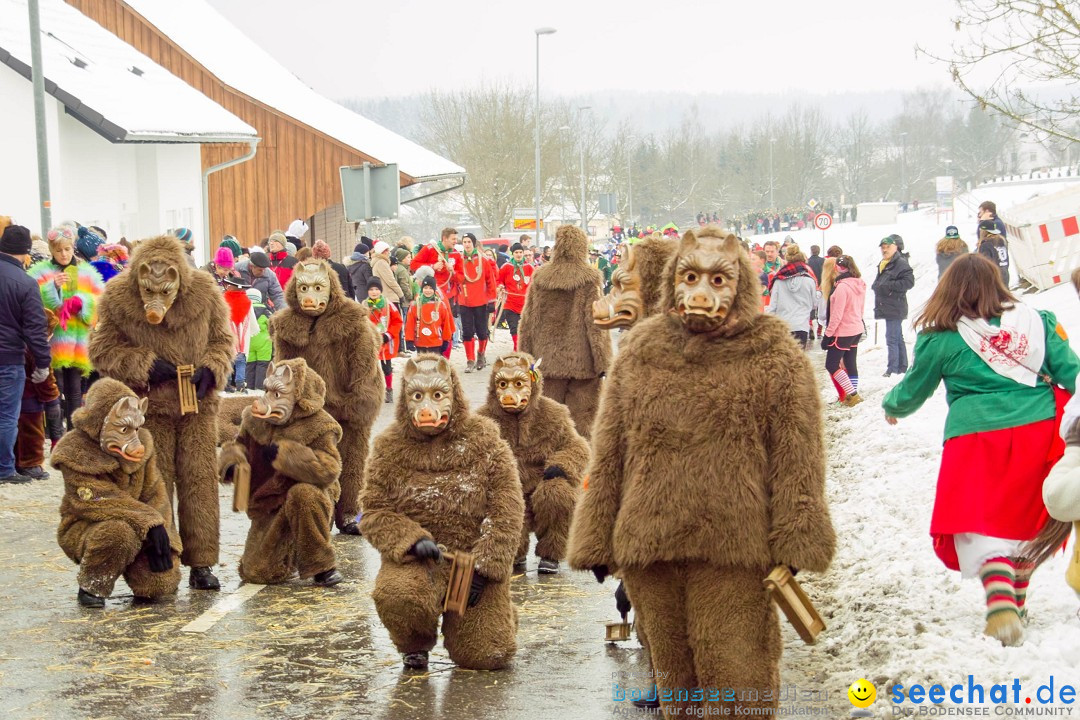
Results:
548 567
89 600
349 528
201 578
649 702
520 563
481 361
416 661
328 577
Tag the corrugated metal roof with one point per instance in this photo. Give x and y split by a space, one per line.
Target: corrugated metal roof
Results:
107 84
220 47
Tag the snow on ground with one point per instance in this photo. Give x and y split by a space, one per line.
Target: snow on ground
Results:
895 614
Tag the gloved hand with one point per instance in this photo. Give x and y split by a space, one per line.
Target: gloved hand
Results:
794 570
554 471
157 549
826 341
162 371
203 380
69 309
622 601
601 572
386 338
479 582
425 549
39 376
269 452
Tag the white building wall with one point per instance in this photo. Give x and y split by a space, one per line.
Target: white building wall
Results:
130 190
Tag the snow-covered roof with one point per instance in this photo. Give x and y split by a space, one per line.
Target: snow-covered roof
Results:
217 45
89 70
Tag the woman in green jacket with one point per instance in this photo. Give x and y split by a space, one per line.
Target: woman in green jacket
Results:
1003 364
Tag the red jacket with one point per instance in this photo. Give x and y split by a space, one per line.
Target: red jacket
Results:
476 278
388 328
429 255
282 264
516 285
429 324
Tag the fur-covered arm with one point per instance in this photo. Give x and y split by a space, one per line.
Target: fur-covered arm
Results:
220 343
802 534
590 543
390 532
571 454
316 464
500 532
599 339
95 499
113 353
232 454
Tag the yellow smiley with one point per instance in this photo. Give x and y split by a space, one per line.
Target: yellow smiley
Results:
862 693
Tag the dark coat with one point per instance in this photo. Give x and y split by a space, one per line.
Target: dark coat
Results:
816 262
22 316
343 276
891 287
360 273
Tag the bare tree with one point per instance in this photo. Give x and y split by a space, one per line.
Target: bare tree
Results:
854 154
1020 58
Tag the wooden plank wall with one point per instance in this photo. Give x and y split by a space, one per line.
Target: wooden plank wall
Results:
295 170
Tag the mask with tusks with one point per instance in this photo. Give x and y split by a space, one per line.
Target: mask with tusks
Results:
278 400
706 280
622 307
312 282
159 284
427 387
120 431
514 381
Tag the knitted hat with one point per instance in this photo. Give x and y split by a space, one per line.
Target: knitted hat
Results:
320 250
471 237
952 232
381 247
276 236
367 241
230 242
429 281
254 295
259 259
516 246
183 234
400 254
15 241
375 282
88 243
362 247
224 258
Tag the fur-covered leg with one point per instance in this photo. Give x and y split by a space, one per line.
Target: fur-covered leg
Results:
108 547
553 504
309 510
484 637
409 598
354 450
555 388
582 399
658 593
270 549
734 634
145 583
197 487
30 443
163 428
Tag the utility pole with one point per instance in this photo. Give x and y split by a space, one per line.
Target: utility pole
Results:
37 70
539 32
581 139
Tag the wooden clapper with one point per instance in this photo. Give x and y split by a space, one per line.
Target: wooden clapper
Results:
462 565
241 487
189 401
791 598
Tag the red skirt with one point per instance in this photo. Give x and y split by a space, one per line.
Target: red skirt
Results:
990 483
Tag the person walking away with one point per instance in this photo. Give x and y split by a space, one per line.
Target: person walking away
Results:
387 320
949 248
476 278
793 294
70 288
895 277
22 328
992 246
815 261
1008 370
845 306
360 272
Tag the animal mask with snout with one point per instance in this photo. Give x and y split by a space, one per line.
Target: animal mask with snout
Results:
278 401
706 281
312 287
120 431
427 387
514 380
159 284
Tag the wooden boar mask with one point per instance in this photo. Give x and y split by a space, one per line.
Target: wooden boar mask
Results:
514 379
706 281
622 307
159 284
120 431
427 387
312 287
278 400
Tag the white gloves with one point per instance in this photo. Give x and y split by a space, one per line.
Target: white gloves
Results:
39 376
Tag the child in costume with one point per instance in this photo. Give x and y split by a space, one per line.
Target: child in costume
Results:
387 322
430 325
514 279
244 325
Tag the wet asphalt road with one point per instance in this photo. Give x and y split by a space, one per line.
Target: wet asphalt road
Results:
291 650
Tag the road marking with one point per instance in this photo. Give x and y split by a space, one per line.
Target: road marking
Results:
209 618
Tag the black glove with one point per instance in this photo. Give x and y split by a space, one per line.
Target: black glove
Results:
622 601
386 338
554 472
425 549
477 587
162 371
204 382
825 342
600 572
410 346
269 452
794 570
157 549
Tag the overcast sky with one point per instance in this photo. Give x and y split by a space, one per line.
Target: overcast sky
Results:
361 48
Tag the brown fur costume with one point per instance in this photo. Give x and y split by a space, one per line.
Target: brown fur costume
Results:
292 499
542 435
342 346
230 415
459 488
556 325
195 331
110 504
707 471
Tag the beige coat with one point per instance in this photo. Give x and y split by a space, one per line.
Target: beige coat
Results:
380 268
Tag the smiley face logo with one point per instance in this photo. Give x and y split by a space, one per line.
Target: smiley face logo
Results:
862 693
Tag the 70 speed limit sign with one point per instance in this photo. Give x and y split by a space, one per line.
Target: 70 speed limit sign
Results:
823 221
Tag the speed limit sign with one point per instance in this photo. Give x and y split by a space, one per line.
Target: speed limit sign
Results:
823 221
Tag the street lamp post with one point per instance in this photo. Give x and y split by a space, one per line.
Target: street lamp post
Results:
630 183
772 203
562 169
539 32
581 150
903 166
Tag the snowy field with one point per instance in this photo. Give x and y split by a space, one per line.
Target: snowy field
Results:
895 613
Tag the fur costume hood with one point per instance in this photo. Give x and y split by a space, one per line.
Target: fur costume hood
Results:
166 248
81 450
308 420
460 414
651 258
537 384
569 267
335 324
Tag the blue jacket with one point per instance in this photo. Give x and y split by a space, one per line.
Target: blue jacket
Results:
22 316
